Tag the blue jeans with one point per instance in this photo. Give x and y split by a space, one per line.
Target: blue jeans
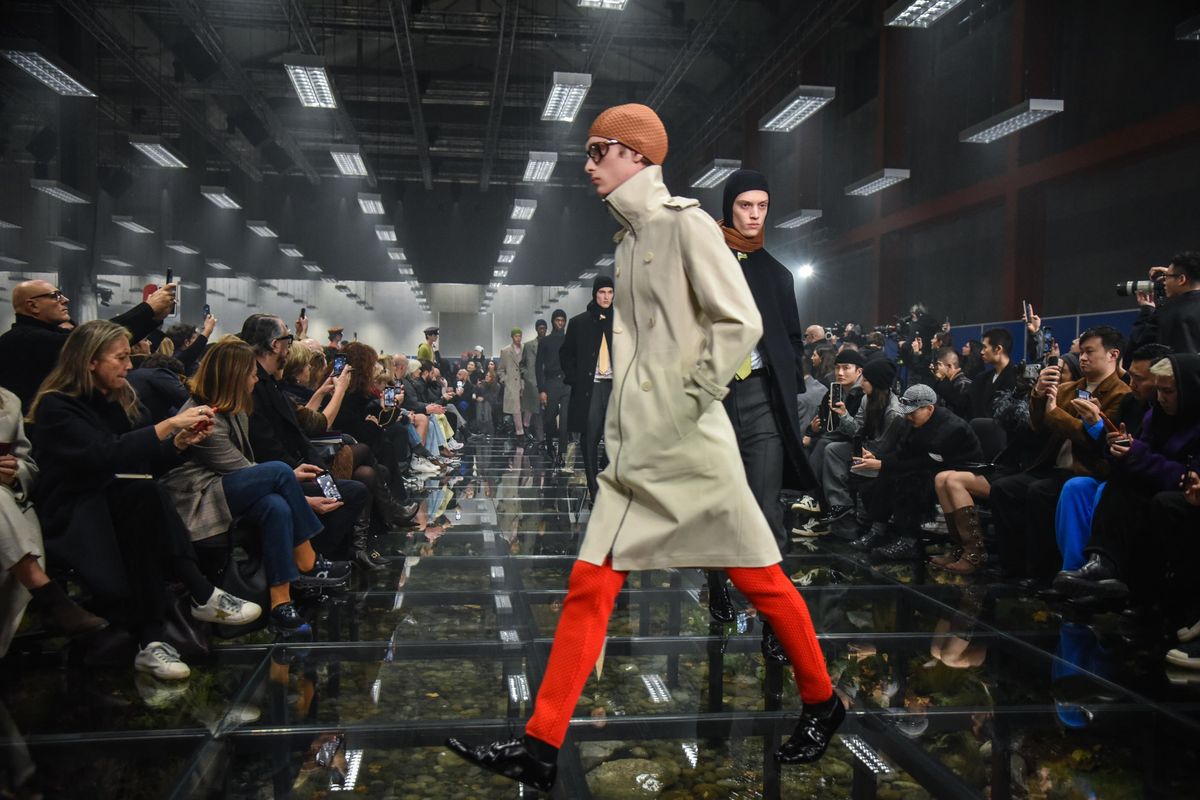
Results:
434 438
270 495
1073 518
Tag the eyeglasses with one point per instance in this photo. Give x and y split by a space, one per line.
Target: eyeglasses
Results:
289 338
55 295
1170 274
596 151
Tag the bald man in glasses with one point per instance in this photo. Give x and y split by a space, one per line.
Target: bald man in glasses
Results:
29 350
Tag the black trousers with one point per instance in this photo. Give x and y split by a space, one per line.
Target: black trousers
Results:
597 412
1023 507
1175 550
908 499
334 541
554 415
761 446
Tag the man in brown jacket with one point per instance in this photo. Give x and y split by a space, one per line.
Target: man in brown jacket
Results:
674 493
1069 419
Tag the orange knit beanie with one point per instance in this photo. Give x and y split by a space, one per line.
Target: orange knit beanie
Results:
636 126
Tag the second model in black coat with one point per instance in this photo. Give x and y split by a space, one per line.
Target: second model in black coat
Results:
578 355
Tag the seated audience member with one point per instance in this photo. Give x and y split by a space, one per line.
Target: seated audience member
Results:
996 353
23 580
877 425
486 394
220 481
29 350
99 515
1177 323
304 382
823 429
934 440
276 435
1079 496
1118 554
1177 514
972 358
1023 505
953 387
190 343
159 383
816 385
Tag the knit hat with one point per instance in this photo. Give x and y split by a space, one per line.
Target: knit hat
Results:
478 348
744 180
918 396
601 282
881 372
541 323
848 356
635 126
514 332
558 312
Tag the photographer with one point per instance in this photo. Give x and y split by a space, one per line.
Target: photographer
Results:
953 387
1177 323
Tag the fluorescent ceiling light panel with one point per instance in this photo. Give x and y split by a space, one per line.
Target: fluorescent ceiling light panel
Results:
795 108
917 13
396 254
801 217
566 96
16 262
715 173
605 261
1010 121
66 244
607 5
540 166
877 182
514 236
9 225
349 161
331 280
152 147
261 228
182 247
60 191
47 73
499 272
405 270
588 275
507 256
219 197
310 80
523 209
115 262
128 224
370 203
217 264
385 233
1189 30
290 250
311 266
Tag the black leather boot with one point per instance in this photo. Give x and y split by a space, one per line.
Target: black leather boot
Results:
772 648
875 536
720 606
528 760
1097 578
813 733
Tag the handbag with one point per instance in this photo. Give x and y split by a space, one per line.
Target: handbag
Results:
186 634
244 575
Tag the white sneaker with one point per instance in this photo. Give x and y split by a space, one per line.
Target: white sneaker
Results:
424 466
808 505
453 445
1189 633
162 661
225 609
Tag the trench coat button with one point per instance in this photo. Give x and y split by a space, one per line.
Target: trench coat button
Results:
649 257
617 271
618 329
652 322
647 386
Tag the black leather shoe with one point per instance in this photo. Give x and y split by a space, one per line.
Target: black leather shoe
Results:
870 540
514 759
720 606
906 548
772 648
1097 578
834 514
812 735
286 621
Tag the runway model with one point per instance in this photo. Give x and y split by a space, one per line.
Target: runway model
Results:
674 493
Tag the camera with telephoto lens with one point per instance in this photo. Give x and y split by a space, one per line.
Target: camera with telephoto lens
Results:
1156 288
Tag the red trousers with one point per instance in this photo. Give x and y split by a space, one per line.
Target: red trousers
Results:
591 593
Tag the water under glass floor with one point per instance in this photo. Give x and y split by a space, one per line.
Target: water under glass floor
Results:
956 689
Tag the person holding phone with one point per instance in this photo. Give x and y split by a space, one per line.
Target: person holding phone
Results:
1116 559
833 423
221 481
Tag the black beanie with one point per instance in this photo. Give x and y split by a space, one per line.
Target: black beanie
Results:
849 356
744 180
881 372
541 323
558 312
601 282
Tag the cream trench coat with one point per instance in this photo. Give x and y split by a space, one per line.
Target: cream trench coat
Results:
509 371
674 493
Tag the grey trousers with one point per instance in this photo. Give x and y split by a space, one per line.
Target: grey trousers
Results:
762 448
835 473
597 412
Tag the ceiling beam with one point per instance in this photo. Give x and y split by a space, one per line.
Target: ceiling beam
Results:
687 55
508 35
192 14
402 33
103 31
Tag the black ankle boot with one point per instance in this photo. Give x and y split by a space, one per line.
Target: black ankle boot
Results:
772 648
720 606
528 760
813 733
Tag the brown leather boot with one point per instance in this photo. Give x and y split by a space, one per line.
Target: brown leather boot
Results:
954 552
974 556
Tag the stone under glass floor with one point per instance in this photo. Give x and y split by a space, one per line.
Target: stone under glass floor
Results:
957 690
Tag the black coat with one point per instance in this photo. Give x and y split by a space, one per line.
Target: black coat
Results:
578 355
942 443
782 349
956 394
160 390
1176 324
984 389
80 444
275 433
29 349
549 365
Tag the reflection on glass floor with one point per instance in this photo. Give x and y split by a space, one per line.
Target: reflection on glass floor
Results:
956 690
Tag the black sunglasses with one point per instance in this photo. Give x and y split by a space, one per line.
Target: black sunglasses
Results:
596 151
55 295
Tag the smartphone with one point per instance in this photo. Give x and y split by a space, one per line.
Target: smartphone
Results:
460 385
856 448
1084 394
835 394
339 364
170 272
328 486
1123 442
5 448
389 397
207 310
1025 312
303 312
1051 361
